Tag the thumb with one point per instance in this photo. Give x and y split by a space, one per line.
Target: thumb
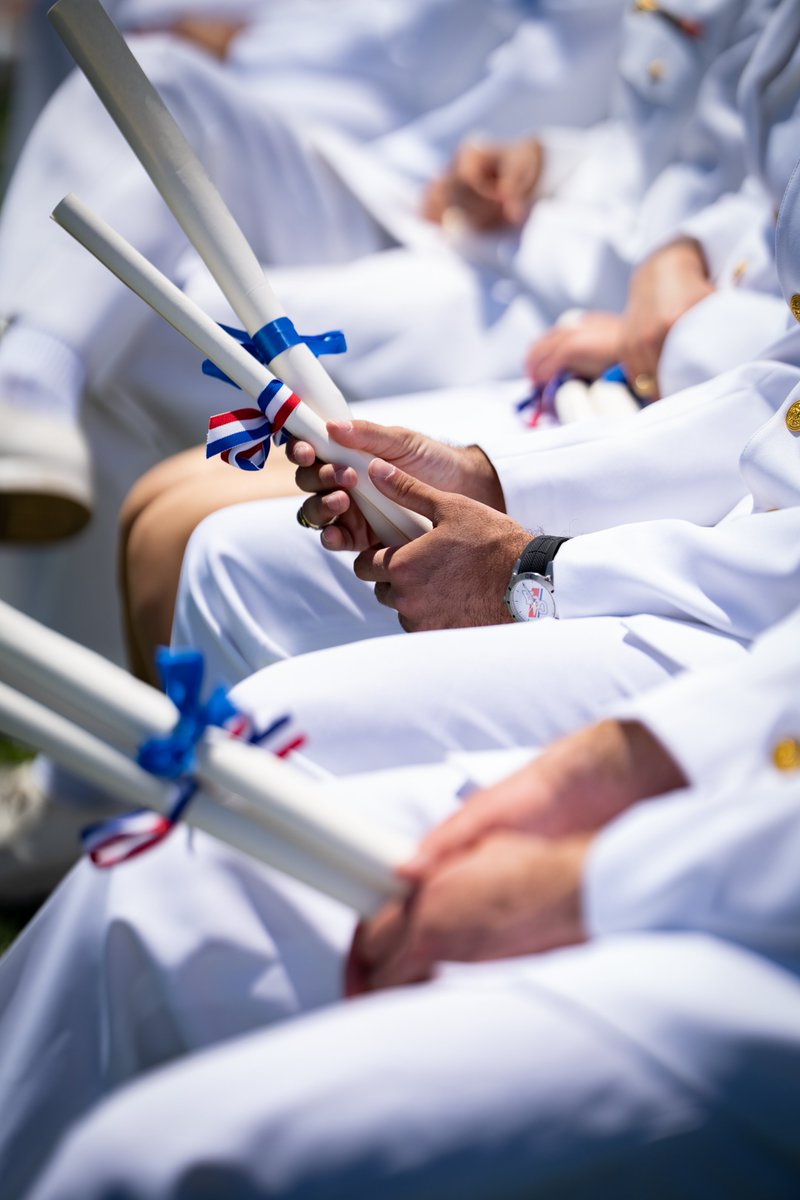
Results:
405 490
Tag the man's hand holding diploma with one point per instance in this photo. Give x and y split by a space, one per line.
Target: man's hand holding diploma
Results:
455 575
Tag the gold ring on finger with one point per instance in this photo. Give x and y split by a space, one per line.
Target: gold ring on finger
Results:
303 520
644 384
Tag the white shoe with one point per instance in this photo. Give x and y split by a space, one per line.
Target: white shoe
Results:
45 477
39 837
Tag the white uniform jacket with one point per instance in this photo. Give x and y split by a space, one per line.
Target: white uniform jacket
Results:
674 98
730 721
369 67
524 84
737 232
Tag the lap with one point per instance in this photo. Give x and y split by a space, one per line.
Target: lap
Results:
471 1087
413 698
260 592
256 588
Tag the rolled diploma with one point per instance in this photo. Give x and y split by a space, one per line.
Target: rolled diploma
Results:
611 399
84 687
572 402
101 52
393 525
242 826
80 683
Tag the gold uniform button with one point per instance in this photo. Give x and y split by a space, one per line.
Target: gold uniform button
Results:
793 417
786 755
739 271
794 305
656 71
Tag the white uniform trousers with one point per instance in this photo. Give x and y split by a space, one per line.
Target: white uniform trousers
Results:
259 594
480 1087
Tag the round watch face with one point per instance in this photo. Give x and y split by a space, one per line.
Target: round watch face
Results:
530 598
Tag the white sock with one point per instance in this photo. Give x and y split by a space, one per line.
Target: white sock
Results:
40 373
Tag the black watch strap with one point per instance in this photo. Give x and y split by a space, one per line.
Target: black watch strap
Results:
539 553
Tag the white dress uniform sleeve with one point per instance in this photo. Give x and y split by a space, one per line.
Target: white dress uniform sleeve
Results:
738 577
724 862
527 86
728 720
737 574
575 161
560 42
677 458
395 55
722 228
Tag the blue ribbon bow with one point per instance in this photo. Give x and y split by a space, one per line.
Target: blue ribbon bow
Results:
114 841
181 673
275 337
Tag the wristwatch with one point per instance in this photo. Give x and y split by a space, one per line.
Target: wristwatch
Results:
530 594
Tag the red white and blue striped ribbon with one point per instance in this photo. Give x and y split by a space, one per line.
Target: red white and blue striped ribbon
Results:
241 437
121 838
541 400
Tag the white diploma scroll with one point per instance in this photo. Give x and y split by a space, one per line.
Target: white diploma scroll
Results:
610 399
70 702
573 402
101 52
393 525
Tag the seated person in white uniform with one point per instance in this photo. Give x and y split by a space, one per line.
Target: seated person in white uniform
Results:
80 320
658 511
659 1057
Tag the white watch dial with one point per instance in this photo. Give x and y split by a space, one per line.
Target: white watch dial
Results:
530 599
